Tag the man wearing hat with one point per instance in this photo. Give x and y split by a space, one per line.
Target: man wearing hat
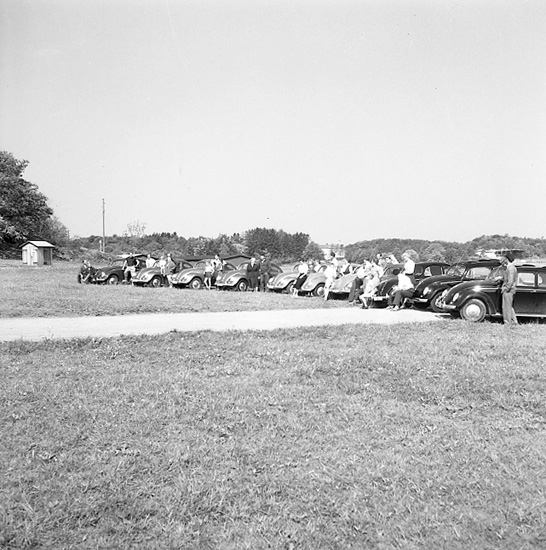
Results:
508 290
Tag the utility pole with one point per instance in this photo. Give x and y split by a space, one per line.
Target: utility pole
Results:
103 232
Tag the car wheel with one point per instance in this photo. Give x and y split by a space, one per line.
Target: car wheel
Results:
289 287
435 303
112 280
474 310
319 290
156 282
196 284
241 286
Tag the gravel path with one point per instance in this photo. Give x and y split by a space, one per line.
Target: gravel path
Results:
36 329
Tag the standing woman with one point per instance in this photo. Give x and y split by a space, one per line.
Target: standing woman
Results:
253 274
303 272
330 273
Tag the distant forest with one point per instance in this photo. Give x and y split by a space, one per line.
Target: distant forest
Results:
285 247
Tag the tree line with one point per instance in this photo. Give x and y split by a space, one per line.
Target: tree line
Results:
26 215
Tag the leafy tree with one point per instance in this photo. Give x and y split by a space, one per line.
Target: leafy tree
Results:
313 251
135 229
23 208
54 231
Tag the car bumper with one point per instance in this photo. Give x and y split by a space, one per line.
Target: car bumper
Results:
224 285
420 300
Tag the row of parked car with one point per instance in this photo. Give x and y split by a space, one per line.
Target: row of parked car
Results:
469 289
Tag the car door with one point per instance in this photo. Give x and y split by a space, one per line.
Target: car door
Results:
525 300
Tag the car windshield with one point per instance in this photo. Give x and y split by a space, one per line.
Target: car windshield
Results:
457 269
495 274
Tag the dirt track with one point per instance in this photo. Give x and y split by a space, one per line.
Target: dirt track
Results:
36 329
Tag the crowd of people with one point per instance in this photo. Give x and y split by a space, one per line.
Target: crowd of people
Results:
368 276
258 272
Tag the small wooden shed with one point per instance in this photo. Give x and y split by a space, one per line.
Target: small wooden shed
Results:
37 253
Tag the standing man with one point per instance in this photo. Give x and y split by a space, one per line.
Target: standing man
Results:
129 268
170 269
508 290
265 271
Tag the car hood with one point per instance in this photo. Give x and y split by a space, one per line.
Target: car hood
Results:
146 271
343 281
282 276
109 268
190 271
436 280
472 284
227 274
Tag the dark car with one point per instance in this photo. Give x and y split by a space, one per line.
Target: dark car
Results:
113 274
152 276
237 278
422 271
194 277
428 292
476 300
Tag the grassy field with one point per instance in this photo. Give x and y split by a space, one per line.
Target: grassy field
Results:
53 292
429 436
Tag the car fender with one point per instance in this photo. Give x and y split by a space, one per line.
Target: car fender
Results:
483 296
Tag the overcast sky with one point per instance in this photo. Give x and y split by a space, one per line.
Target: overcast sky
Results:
346 120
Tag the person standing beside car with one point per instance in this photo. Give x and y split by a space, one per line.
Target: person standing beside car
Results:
265 271
209 272
150 262
409 266
508 290
330 273
170 268
129 268
252 274
303 273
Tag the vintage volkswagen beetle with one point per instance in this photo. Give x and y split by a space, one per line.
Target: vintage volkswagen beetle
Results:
342 285
476 300
194 277
314 284
236 279
152 276
113 273
284 281
429 291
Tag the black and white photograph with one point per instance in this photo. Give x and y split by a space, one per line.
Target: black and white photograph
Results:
272 274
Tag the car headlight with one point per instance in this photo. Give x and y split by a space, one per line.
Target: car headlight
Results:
426 290
230 280
455 297
101 275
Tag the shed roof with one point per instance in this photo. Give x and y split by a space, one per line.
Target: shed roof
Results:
39 244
